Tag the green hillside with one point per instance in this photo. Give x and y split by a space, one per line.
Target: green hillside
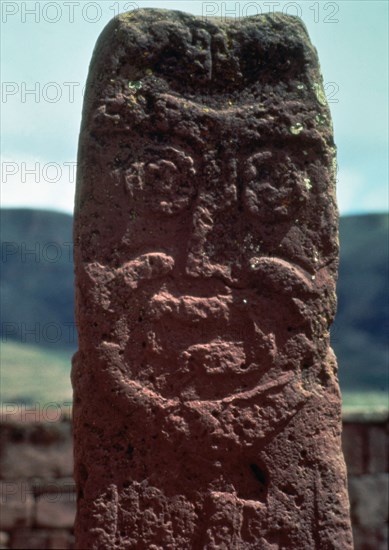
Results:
37 278
31 374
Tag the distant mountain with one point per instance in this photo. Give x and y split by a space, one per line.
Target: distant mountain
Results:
37 301
37 290
361 328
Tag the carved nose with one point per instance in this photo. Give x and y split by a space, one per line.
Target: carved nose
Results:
214 206
197 262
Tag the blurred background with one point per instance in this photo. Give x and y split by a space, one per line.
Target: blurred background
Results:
46 47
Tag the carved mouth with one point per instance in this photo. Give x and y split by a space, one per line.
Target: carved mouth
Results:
190 308
215 357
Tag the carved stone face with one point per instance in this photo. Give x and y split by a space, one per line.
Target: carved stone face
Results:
210 289
219 315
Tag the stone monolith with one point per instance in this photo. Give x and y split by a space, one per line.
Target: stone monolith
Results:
206 406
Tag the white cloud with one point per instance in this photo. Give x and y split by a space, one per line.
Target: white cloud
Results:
349 188
37 183
356 194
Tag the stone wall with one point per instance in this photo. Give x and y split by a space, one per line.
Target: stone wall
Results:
365 447
37 490
38 499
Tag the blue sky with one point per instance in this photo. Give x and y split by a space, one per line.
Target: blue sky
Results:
45 52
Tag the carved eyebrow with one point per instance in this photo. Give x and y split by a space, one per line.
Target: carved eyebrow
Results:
200 108
284 274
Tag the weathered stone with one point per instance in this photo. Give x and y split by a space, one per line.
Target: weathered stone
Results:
56 510
28 461
42 538
54 487
355 448
24 539
369 499
378 449
61 539
207 408
55 503
16 504
368 538
4 539
365 443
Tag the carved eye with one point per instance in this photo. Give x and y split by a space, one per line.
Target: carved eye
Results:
273 185
162 177
164 181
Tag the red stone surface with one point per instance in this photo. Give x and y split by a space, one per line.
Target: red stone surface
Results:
207 408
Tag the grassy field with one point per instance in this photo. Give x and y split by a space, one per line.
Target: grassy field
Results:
368 401
31 374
